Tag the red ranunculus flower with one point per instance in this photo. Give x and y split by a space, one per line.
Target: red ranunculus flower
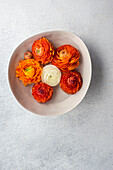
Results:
71 82
42 92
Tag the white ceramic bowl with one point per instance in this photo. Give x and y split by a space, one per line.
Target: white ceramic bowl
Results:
60 102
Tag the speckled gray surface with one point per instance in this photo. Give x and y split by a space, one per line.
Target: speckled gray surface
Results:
83 138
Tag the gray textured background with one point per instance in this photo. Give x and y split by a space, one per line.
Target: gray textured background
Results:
83 138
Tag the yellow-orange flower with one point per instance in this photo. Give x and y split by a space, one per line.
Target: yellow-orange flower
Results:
71 82
43 51
66 58
42 92
29 71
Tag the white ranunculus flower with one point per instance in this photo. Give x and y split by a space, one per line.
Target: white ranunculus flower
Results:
51 75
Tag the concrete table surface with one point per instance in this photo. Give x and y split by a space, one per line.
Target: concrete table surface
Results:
83 138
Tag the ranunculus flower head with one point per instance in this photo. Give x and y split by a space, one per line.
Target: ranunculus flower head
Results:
51 75
43 51
29 71
42 92
66 58
71 82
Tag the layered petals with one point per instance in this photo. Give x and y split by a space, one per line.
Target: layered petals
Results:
29 71
51 75
43 51
66 58
71 82
42 92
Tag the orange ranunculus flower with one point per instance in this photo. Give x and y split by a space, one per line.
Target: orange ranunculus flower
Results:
66 58
71 82
42 92
29 71
43 51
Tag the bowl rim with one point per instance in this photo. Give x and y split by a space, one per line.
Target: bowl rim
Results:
89 78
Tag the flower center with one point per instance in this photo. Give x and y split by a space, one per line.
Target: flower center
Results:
63 53
71 80
29 71
40 91
39 51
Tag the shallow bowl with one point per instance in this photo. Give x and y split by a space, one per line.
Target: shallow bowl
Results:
60 102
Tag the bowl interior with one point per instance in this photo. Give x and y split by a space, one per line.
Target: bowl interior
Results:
60 102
